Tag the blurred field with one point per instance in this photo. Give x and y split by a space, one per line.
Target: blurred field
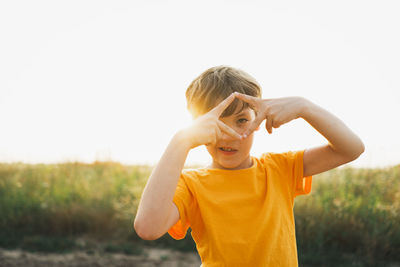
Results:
351 218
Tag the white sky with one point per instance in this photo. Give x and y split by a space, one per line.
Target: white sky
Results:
101 80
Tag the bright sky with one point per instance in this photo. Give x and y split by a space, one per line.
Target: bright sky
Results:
106 80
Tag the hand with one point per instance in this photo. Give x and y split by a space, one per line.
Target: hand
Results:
207 129
276 111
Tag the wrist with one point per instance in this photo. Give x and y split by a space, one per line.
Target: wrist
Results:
305 106
182 139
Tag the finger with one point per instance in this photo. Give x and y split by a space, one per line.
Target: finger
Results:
268 125
257 121
217 110
225 128
246 98
275 124
215 137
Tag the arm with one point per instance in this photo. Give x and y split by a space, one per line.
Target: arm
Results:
156 211
344 146
155 203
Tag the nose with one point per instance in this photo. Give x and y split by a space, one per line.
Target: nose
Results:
227 137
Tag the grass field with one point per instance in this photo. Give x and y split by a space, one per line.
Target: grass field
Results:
351 217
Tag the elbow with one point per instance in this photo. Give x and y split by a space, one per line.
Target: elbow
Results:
143 232
361 149
358 151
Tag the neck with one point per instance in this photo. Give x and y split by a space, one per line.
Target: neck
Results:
244 165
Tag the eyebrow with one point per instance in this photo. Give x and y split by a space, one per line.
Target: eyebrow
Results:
243 113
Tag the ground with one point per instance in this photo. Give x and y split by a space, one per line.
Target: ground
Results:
151 257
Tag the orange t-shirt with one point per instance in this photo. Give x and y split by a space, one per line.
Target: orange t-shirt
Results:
243 217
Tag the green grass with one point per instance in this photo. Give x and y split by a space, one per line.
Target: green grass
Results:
67 201
351 212
351 217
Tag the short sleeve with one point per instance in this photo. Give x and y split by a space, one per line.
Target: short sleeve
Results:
302 185
290 164
183 199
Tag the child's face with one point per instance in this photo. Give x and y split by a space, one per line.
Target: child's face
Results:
239 157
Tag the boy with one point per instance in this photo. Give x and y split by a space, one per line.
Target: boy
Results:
240 208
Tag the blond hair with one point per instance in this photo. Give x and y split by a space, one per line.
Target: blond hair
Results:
217 83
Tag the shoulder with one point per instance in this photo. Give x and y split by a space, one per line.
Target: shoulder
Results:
283 158
193 174
192 179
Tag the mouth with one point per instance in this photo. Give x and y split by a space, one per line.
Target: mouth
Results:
227 150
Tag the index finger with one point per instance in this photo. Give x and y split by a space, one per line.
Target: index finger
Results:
225 128
217 110
247 98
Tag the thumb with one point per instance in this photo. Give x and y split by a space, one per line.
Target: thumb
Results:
253 126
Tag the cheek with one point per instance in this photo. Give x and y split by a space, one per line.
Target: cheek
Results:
241 130
248 141
211 149
244 127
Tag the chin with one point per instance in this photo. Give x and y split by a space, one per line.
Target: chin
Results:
229 165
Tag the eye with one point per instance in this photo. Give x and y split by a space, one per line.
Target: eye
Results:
243 120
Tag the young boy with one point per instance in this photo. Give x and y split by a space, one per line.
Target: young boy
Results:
240 208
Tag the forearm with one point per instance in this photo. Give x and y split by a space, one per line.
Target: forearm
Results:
341 139
157 196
